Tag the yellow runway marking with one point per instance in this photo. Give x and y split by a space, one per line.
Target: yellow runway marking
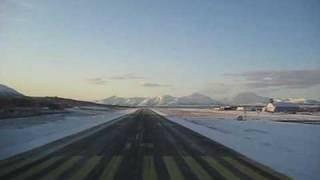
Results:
244 169
38 168
227 174
86 169
149 170
197 169
15 166
54 174
173 169
111 169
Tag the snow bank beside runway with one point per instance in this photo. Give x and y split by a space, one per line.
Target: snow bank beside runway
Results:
290 148
23 134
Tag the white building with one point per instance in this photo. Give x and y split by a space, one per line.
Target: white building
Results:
240 108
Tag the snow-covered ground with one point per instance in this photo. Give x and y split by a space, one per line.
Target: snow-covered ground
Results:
290 148
22 134
249 115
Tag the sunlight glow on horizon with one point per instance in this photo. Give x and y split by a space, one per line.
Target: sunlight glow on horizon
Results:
92 50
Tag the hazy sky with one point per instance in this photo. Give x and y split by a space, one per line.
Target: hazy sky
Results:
98 48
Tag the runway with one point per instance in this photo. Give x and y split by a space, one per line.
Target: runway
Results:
139 146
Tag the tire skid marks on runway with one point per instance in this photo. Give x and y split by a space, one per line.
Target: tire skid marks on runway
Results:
132 165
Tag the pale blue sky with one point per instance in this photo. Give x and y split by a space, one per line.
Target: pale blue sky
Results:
93 49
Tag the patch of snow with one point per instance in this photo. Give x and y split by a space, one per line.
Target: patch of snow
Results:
290 148
23 134
249 115
7 91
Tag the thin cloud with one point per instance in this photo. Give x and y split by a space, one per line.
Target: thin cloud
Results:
97 81
105 79
219 88
281 79
8 9
149 84
23 3
128 76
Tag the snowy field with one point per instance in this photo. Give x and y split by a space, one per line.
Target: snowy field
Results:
290 148
22 134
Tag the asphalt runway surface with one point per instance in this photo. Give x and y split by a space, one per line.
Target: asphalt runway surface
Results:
142 145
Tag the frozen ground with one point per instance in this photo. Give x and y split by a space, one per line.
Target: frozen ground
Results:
22 134
291 148
249 115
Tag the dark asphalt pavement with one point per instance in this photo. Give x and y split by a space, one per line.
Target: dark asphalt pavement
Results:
141 145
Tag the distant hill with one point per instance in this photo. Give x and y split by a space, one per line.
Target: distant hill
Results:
10 98
159 101
166 100
300 101
197 99
249 98
252 98
114 100
6 91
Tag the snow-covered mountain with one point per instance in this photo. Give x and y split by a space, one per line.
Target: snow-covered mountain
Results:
249 98
159 101
196 99
6 91
166 100
114 100
252 98
299 101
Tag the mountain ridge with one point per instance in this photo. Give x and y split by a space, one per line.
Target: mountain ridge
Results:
6 91
165 100
197 99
